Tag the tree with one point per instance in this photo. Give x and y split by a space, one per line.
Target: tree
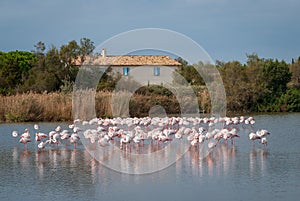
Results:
86 46
295 71
69 53
234 78
39 48
46 76
277 75
108 80
14 69
188 72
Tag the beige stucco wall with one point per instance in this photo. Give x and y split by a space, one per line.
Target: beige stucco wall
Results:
145 74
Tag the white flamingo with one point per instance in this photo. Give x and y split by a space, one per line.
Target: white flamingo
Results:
262 133
264 141
42 145
103 141
54 140
74 139
253 137
125 139
15 134
36 127
178 134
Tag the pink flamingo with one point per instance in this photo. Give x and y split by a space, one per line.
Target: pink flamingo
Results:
253 137
24 140
40 136
74 139
264 141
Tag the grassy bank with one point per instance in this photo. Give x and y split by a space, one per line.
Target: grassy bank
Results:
50 107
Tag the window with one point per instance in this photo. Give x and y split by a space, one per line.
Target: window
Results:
126 71
156 71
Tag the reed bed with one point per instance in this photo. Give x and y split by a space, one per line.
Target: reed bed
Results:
53 107
36 107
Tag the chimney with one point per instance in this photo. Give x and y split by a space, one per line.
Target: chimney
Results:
103 52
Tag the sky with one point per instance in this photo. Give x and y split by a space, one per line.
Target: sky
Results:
226 29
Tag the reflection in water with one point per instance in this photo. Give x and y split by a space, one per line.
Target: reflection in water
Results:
257 163
128 160
15 155
25 159
218 162
75 171
73 161
53 162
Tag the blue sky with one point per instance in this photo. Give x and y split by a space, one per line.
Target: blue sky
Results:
226 29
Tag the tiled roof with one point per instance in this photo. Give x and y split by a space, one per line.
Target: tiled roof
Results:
130 60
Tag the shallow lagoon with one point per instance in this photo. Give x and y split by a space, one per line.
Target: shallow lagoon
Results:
232 172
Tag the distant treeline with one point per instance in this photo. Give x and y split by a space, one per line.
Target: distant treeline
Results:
259 85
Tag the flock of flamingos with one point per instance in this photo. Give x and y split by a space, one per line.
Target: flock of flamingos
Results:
128 132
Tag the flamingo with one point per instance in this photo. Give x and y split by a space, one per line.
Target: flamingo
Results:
103 141
54 140
65 136
253 137
41 145
190 137
137 139
26 134
262 133
233 134
36 127
76 129
40 136
219 135
264 141
51 133
202 138
124 140
209 135
58 129
24 140
71 126
211 145
74 139
194 142
178 134
15 134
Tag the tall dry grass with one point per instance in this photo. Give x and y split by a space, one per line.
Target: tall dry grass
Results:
36 107
51 106
58 106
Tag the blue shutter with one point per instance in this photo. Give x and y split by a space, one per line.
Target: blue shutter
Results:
125 71
156 71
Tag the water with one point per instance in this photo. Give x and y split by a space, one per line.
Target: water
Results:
233 172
